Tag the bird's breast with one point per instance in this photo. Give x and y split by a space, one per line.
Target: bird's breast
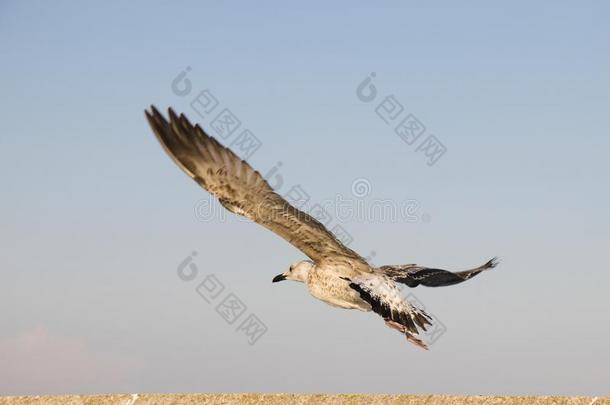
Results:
327 284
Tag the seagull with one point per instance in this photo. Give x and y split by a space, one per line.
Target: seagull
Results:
334 273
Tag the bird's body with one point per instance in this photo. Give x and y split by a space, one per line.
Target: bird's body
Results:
325 282
335 274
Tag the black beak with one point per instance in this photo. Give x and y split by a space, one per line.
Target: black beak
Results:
279 277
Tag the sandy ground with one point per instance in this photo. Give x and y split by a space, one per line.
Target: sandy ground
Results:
272 399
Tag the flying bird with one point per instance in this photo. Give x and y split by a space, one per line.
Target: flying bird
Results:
334 273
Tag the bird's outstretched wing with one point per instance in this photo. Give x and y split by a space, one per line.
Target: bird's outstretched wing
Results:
413 275
241 189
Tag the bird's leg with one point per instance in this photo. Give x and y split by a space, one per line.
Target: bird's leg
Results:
395 325
403 330
416 341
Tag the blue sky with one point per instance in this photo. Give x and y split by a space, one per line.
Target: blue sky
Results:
96 219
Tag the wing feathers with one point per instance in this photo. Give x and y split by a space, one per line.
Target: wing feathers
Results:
413 275
241 189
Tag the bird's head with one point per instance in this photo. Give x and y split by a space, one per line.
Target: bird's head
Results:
298 272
